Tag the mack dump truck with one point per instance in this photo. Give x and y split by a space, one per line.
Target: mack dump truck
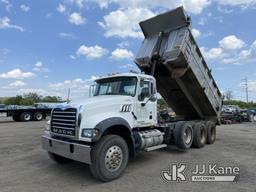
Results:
120 119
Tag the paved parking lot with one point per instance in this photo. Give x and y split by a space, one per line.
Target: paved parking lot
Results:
25 167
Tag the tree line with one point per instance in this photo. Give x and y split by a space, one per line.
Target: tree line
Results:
29 99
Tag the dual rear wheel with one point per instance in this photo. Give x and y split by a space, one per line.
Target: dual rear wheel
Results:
197 135
27 116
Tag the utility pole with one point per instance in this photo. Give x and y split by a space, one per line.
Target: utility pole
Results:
246 89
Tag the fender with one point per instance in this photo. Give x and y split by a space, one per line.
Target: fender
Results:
117 121
113 121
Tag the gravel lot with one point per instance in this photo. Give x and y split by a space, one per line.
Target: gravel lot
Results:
24 166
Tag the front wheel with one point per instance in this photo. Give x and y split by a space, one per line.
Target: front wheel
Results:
109 158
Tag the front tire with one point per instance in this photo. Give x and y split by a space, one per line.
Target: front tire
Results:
109 158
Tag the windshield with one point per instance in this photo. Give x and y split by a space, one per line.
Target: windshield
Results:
116 86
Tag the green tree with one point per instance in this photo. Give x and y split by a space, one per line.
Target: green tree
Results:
26 101
51 99
13 100
33 96
161 104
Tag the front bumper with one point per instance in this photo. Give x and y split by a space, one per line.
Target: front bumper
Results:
66 149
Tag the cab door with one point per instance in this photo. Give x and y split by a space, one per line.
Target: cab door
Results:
146 106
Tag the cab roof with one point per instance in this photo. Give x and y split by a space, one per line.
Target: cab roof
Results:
137 75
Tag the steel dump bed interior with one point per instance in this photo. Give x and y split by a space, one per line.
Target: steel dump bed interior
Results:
182 75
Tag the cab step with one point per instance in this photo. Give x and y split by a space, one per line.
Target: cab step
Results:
155 147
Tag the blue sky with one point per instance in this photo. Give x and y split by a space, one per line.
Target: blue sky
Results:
50 46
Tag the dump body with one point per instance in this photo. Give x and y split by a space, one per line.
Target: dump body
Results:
182 75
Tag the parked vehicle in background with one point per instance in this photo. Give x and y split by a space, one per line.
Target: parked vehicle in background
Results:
2 106
246 115
166 115
230 109
25 113
253 113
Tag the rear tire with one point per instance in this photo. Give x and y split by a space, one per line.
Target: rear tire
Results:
211 132
38 116
26 116
58 159
200 135
183 135
109 158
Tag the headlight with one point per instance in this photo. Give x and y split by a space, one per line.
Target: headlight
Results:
47 127
90 133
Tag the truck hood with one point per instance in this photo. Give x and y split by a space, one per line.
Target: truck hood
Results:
97 100
104 99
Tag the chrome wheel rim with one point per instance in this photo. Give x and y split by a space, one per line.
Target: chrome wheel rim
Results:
187 136
39 116
113 158
27 117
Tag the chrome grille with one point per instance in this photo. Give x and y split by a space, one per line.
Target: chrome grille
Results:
64 121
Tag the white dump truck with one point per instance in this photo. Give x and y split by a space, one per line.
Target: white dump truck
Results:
120 120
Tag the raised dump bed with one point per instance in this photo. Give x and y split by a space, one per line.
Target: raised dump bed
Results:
169 53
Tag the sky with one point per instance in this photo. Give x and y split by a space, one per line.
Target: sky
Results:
48 46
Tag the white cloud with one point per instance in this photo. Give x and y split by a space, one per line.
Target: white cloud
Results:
124 23
231 42
79 88
72 57
121 54
61 8
79 3
5 23
39 67
76 19
24 8
67 35
252 85
103 3
17 83
123 44
4 51
125 66
39 64
196 33
212 53
244 56
195 6
92 52
16 74
241 3
8 5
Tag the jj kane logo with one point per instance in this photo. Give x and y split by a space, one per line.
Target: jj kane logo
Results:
177 172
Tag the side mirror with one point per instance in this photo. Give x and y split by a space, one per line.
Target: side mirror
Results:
144 93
